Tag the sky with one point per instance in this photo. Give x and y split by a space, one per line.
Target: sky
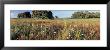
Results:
59 13
14 13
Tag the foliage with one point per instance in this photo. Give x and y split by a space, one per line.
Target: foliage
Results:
56 16
42 14
38 14
24 15
85 14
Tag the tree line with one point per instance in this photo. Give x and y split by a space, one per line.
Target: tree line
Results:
85 14
39 14
44 14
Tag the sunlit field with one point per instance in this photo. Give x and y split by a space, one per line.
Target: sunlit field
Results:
57 29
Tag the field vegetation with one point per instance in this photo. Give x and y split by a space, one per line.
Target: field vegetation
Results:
57 29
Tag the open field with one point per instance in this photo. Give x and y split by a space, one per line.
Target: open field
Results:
58 29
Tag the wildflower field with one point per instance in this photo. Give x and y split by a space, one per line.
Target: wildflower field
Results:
57 29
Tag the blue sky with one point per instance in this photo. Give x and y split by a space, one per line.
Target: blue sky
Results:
14 13
59 13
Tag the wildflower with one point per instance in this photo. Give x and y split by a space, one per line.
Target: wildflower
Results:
82 34
69 35
75 25
54 32
41 25
70 25
42 31
72 30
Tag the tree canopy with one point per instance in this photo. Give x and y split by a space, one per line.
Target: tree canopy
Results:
85 14
39 14
45 14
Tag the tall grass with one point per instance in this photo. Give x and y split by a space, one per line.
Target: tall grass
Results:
67 29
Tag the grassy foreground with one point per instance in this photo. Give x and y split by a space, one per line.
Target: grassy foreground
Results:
58 29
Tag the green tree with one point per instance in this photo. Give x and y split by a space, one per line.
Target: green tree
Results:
42 14
85 14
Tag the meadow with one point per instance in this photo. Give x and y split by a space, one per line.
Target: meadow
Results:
57 29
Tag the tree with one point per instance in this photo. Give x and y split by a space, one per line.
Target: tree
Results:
56 16
24 15
50 15
42 14
27 14
85 14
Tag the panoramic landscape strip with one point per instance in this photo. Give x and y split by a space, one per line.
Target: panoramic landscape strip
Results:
55 25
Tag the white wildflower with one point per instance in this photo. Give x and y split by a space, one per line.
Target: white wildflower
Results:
69 35
82 34
73 30
41 25
42 31
54 32
70 25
